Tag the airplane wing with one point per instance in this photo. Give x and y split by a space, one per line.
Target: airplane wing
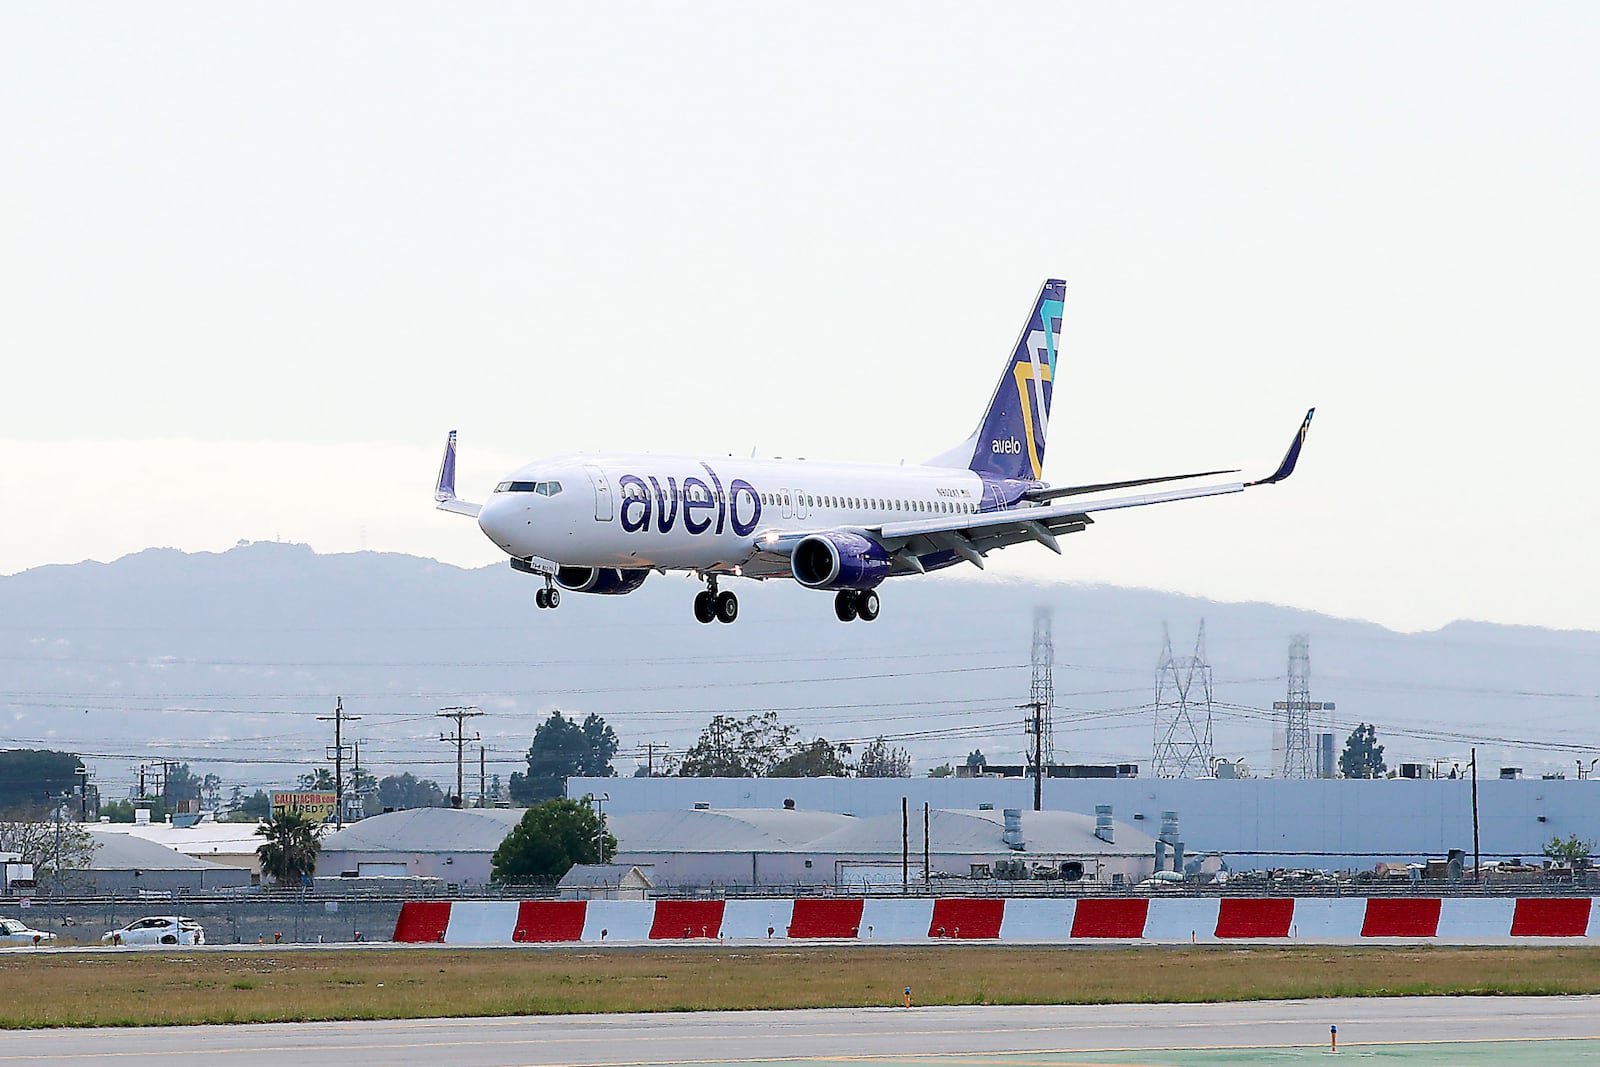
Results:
972 536
444 487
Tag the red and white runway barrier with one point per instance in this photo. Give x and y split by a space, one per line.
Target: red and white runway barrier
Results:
504 922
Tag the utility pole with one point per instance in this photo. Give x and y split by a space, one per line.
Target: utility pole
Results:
483 796
356 780
338 718
460 715
650 757
83 792
927 876
905 846
1477 857
1035 726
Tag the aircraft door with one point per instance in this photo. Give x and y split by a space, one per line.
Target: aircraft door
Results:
602 493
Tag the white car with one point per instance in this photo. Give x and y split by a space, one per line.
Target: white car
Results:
15 932
158 930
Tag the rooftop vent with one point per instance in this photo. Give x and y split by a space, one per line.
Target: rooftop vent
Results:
1013 832
701 805
1102 823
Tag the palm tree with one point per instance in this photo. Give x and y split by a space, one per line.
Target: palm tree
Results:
289 855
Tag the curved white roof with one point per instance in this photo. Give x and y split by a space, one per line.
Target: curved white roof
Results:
121 852
427 830
722 829
979 833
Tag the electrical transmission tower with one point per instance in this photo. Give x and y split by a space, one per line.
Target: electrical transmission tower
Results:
1297 712
1183 712
1042 693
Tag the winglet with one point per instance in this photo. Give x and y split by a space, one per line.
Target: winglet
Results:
444 488
1291 457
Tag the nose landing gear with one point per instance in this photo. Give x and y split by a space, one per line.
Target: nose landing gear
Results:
710 605
548 597
852 604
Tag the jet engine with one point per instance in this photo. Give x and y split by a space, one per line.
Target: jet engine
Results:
606 581
837 560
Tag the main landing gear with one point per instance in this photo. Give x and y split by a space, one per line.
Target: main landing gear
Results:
852 604
710 605
548 597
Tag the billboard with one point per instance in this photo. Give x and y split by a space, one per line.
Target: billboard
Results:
315 806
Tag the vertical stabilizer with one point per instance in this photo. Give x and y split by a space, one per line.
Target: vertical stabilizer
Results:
1009 441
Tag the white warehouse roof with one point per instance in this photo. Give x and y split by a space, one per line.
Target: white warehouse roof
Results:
722 830
419 830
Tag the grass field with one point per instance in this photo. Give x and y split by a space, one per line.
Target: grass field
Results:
95 988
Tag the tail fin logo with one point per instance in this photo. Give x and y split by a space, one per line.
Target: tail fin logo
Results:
1036 374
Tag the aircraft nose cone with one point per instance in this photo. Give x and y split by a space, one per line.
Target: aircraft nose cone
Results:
498 519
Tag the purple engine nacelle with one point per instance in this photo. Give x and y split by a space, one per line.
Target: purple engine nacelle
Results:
606 581
838 560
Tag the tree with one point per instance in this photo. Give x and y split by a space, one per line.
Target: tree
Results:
408 791
976 760
1363 756
944 770
180 784
882 760
563 748
814 759
211 791
46 839
552 836
316 781
739 748
257 805
123 810
289 854
31 776
1571 851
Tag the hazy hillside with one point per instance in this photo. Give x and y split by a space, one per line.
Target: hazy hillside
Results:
228 659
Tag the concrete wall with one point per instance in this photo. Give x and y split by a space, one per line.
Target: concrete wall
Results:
1257 822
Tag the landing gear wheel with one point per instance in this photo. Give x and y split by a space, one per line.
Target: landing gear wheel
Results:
705 606
542 598
552 598
727 607
866 605
844 605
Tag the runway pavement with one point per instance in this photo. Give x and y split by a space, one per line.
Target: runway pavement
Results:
1552 1030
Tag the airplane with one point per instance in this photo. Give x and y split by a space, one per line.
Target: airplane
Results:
602 522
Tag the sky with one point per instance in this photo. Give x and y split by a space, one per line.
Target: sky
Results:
256 260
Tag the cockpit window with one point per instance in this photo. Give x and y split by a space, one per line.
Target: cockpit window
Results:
542 488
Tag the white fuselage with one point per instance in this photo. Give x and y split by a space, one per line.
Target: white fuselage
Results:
705 513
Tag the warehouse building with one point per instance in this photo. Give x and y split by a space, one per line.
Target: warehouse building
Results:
452 844
124 863
788 847
1254 823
